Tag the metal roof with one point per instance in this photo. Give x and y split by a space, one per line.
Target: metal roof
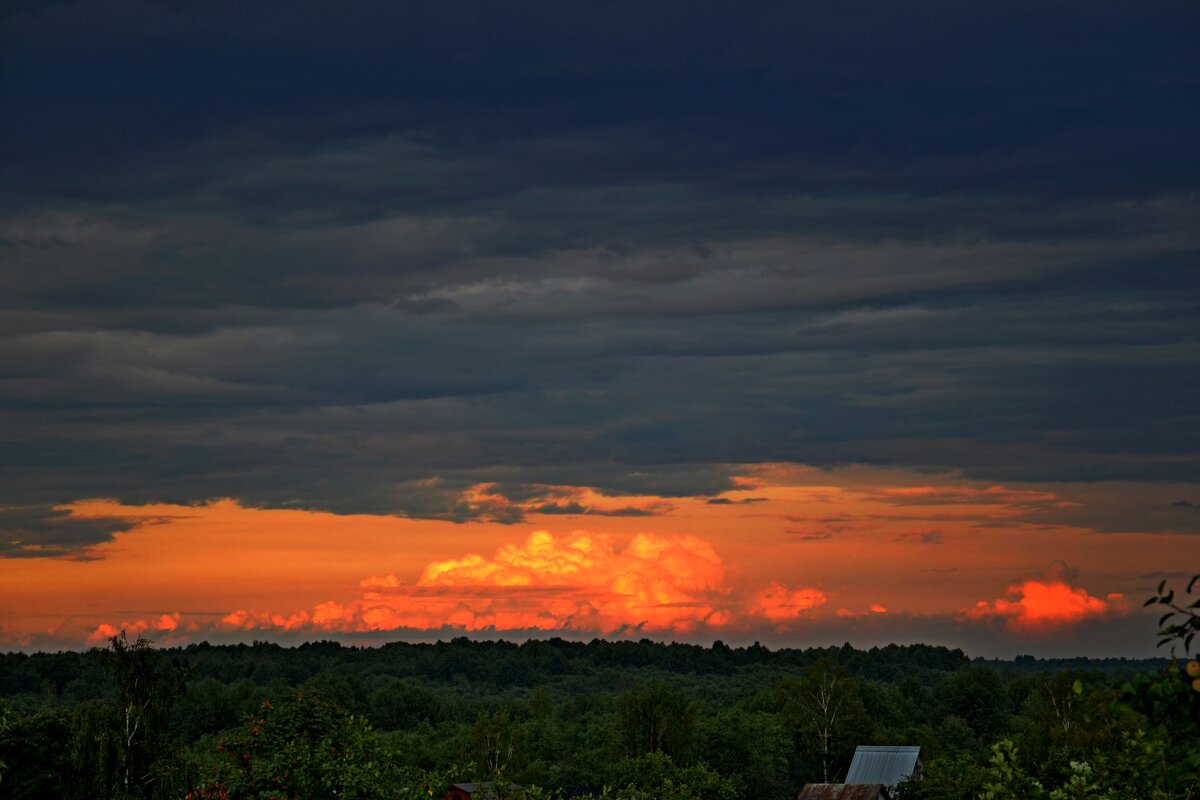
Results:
843 791
883 764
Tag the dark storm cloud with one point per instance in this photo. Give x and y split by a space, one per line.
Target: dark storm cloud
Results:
43 531
366 260
575 509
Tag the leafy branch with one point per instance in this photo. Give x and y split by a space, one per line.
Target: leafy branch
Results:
1182 622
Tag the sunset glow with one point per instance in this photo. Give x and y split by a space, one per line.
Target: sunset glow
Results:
782 556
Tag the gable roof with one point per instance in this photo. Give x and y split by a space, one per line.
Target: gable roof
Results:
844 791
887 764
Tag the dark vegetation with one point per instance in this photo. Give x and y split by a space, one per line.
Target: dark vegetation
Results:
627 718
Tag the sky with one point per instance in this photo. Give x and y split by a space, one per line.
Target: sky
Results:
799 323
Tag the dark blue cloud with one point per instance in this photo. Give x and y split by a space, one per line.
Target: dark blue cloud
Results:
316 256
45 532
1069 86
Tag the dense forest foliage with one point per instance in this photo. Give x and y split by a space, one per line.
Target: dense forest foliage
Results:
570 718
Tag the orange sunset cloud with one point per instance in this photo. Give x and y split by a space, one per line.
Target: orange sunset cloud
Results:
1036 605
164 625
779 604
575 581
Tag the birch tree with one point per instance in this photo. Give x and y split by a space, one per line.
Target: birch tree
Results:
122 746
828 714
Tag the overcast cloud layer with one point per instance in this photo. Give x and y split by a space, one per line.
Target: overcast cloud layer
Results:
319 261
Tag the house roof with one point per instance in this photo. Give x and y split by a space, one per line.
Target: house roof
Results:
883 764
844 791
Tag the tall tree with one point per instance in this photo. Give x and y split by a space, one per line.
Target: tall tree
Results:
828 712
122 747
498 741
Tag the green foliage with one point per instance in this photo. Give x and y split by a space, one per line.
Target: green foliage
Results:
399 705
1169 699
37 764
208 706
303 747
658 719
979 697
1179 625
1082 785
1069 719
952 777
1004 778
498 741
655 776
749 748
1135 770
1055 726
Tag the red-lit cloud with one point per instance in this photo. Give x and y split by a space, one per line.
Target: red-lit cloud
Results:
576 581
1046 605
781 605
874 608
166 624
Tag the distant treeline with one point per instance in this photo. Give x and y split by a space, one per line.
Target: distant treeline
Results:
675 721
491 666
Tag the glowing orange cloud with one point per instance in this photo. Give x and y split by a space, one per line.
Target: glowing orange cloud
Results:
574 581
1047 605
250 620
874 608
782 605
166 624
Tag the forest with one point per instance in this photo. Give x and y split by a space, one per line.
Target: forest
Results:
564 719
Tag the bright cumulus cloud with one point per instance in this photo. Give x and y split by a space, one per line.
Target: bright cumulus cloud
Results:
1035 605
577 581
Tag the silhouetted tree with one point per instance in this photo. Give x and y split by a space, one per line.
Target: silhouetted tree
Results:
122 748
